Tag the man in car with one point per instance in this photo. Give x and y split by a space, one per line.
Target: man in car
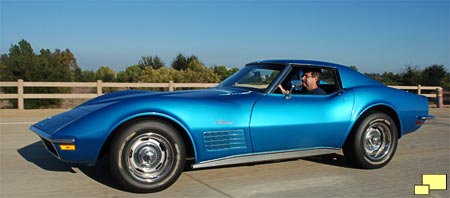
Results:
310 82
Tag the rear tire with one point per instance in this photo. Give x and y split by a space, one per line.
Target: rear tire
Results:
147 156
373 142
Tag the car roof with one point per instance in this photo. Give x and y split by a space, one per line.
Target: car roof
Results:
349 77
298 62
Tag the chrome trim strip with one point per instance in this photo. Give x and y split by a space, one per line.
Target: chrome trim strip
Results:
427 117
260 157
66 140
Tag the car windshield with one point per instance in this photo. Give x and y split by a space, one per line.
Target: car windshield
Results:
253 77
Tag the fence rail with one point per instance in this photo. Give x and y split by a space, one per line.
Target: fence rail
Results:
436 92
432 92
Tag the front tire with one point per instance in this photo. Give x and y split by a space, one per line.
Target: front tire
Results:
373 142
147 156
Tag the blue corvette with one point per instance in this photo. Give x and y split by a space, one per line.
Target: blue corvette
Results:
265 111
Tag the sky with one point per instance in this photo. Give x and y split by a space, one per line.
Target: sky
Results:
373 35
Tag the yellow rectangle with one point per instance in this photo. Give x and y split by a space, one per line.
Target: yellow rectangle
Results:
67 147
421 189
436 182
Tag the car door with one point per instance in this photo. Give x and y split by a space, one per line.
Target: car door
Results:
303 121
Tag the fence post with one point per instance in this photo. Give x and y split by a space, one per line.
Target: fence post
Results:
419 89
99 88
20 97
439 98
171 85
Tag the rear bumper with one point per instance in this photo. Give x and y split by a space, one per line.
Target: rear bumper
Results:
427 117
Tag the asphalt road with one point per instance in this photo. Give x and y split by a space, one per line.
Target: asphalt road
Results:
27 170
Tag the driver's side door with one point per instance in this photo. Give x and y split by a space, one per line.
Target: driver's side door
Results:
303 121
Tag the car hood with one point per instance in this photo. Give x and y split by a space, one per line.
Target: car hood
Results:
113 97
143 100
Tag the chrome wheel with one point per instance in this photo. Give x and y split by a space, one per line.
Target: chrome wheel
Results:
377 141
149 157
373 141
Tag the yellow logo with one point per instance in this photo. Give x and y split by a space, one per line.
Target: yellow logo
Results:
431 182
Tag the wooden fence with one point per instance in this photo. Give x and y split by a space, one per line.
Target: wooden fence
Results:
431 92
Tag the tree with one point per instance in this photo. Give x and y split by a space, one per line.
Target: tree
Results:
146 61
157 62
131 74
59 66
195 65
22 63
198 73
4 71
180 62
149 61
411 75
446 81
195 72
390 78
70 63
192 58
434 75
88 76
224 72
106 74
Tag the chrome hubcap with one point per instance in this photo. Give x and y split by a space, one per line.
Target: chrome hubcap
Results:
377 141
149 157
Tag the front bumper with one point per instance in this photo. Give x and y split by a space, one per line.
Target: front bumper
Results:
55 145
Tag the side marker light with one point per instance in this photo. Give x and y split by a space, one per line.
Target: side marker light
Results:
67 147
419 122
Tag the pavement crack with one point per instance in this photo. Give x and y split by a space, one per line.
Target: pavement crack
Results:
207 185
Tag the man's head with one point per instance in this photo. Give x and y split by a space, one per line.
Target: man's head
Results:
311 79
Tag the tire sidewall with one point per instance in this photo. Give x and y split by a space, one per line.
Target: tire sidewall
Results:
119 167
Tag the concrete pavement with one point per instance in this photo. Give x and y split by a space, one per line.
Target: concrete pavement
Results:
27 170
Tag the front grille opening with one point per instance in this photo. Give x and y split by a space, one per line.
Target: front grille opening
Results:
50 147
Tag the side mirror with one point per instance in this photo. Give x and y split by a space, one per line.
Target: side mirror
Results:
295 84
